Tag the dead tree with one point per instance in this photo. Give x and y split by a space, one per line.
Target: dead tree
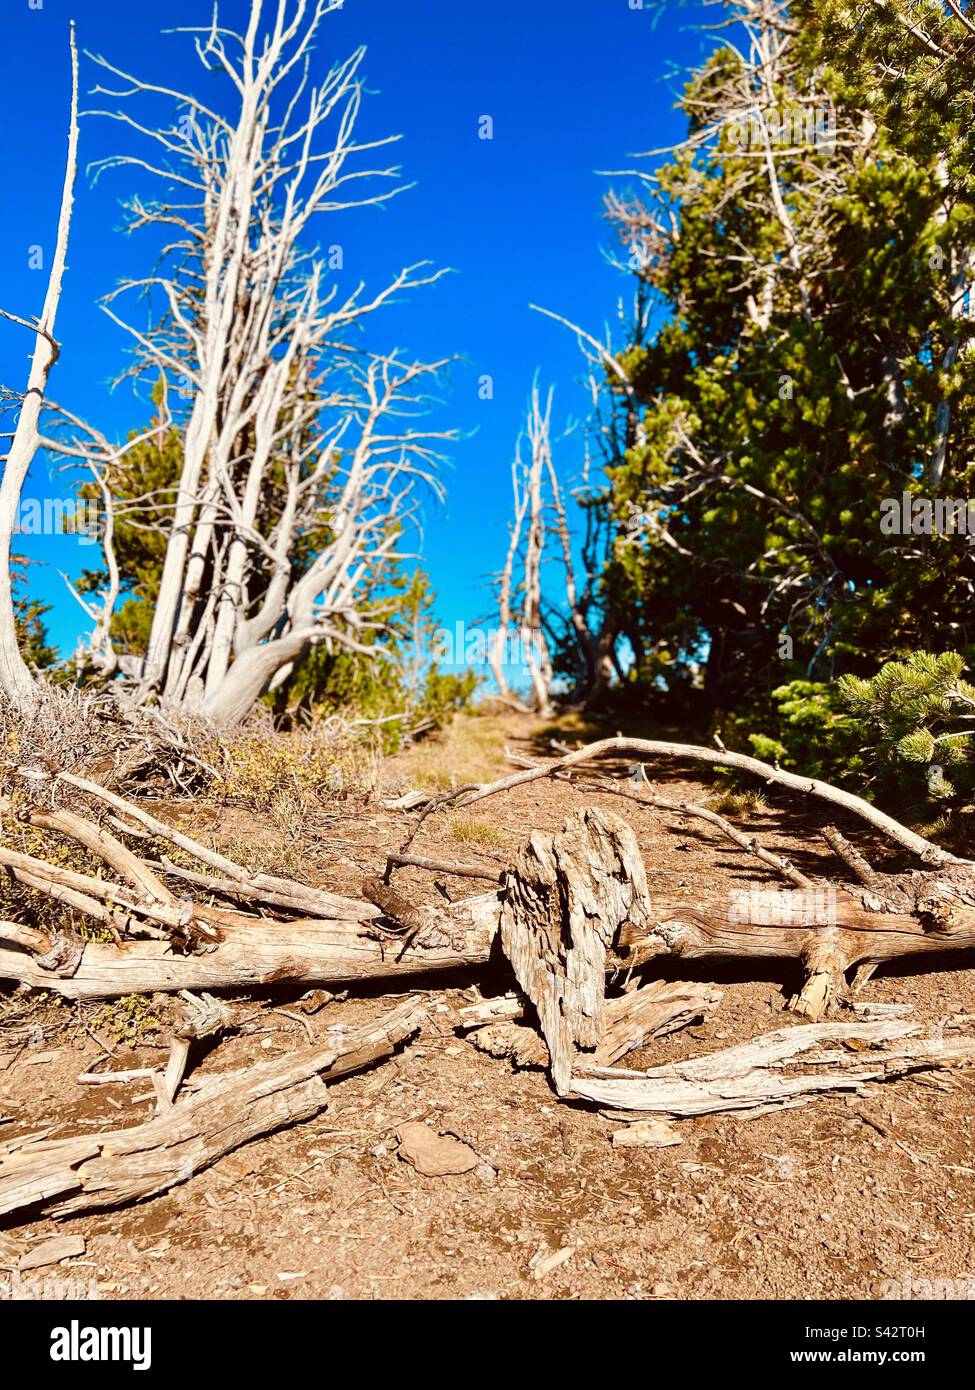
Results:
524 600
290 428
16 682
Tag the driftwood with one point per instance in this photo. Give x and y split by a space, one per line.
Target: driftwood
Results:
777 1071
574 908
61 1177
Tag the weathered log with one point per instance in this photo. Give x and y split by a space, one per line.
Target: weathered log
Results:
756 1076
61 1177
254 952
830 932
198 947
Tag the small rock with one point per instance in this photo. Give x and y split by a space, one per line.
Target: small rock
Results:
434 1155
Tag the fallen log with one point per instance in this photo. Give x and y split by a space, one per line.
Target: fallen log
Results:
767 1073
61 1177
831 932
199 946
254 952
643 748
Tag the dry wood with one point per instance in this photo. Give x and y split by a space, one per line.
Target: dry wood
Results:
198 946
254 951
658 1008
310 900
100 842
928 851
851 857
16 681
296 897
748 843
630 1021
564 902
61 1177
440 866
766 1073
202 1017
919 914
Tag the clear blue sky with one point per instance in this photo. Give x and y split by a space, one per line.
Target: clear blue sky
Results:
573 87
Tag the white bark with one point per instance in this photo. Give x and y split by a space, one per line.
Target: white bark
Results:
16 681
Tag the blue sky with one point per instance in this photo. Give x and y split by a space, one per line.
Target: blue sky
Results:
572 87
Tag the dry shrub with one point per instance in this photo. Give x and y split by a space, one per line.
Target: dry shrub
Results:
293 772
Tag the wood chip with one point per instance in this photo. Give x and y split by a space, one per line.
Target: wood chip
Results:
646 1134
49 1252
10 1250
553 1261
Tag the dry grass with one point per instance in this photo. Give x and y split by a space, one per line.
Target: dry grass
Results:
477 834
291 774
470 749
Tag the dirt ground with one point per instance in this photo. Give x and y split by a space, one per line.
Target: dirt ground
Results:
828 1200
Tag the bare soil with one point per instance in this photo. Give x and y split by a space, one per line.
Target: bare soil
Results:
829 1200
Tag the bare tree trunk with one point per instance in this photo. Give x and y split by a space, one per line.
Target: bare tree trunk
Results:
533 641
498 648
16 681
